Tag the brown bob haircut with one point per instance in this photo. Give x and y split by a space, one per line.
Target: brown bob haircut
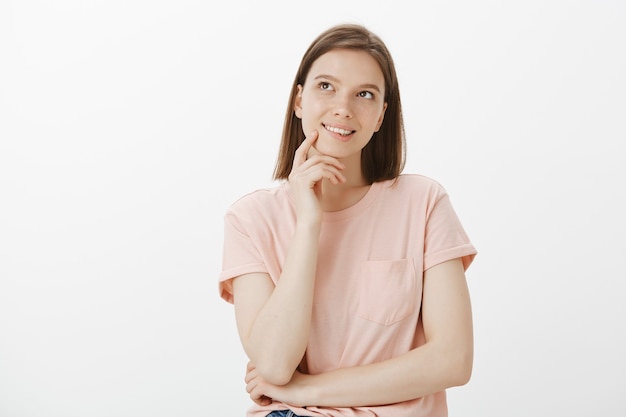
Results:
384 156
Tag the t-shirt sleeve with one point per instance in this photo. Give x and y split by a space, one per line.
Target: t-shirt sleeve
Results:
445 236
240 255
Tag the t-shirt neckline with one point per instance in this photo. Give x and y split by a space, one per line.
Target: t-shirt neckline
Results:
352 211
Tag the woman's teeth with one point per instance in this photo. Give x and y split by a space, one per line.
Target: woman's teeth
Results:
342 132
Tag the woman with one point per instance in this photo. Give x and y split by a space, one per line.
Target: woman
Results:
348 278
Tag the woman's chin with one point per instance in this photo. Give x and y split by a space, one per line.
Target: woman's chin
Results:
324 149
320 149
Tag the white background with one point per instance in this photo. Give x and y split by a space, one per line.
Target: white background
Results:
128 127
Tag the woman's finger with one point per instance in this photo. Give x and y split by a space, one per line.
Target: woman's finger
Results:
250 374
303 150
253 388
322 159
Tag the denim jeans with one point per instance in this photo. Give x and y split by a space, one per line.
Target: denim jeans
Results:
282 413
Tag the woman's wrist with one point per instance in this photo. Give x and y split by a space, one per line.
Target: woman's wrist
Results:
307 393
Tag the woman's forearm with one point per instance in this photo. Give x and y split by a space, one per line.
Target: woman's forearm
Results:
279 335
422 371
445 360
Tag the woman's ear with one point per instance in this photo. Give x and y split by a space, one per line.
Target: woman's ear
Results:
297 105
381 118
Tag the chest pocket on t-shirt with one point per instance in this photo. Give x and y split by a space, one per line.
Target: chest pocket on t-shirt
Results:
388 291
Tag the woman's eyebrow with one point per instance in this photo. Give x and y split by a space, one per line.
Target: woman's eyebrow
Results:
335 79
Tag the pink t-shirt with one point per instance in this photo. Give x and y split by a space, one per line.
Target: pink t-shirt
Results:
368 286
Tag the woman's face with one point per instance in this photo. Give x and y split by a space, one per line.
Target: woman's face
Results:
343 99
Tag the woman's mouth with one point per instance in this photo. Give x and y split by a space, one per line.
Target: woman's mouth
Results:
342 132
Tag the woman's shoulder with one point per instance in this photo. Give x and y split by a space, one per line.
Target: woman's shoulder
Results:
415 184
411 192
261 198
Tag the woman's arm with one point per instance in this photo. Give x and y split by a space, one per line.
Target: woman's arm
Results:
274 322
445 360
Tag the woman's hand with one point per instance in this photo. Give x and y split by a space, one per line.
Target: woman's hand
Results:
308 170
263 393
254 386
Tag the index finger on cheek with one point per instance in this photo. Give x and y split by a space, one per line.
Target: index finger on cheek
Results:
303 150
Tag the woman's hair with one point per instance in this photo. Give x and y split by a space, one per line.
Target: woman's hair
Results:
384 156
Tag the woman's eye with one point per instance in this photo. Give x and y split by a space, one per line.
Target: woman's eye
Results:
366 94
325 86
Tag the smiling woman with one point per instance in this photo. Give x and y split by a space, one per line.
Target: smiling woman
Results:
128 128
348 278
347 107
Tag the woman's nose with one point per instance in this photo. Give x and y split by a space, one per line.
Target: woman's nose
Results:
342 107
